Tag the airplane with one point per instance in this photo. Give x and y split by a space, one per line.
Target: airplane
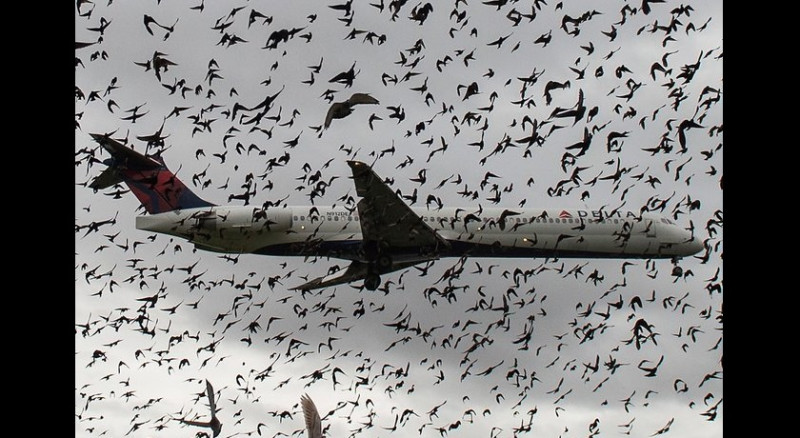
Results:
381 233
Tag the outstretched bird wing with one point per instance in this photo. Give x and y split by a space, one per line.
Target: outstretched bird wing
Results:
210 393
339 110
334 112
313 421
195 423
358 98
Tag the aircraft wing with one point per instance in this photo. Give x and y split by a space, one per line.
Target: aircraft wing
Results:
356 271
385 218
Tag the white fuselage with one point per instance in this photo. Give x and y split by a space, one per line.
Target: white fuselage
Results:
336 232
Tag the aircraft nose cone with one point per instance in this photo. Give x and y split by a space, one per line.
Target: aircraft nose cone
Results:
694 246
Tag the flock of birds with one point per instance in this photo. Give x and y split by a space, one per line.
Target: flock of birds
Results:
611 105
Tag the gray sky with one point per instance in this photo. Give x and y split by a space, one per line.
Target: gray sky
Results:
463 353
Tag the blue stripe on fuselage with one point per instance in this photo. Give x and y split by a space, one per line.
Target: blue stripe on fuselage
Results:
348 249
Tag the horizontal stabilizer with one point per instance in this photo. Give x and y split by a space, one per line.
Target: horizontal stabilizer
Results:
106 179
122 154
121 157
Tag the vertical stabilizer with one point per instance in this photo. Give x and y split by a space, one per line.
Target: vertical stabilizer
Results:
156 187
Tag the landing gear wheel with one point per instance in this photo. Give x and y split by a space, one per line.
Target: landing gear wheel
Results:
372 282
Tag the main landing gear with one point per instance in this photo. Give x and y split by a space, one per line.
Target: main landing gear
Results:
379 262
372 281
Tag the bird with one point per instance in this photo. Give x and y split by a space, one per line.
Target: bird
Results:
148 20
339 110
214 423
312 418
472 89
346 77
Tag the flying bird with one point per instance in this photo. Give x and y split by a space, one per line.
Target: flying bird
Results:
346 77
214 423
313 421
339 110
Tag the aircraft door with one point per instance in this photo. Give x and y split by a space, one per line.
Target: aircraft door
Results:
206 221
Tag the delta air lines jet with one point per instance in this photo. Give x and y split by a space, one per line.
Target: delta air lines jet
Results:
382 234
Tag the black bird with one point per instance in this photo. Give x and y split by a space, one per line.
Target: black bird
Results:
339 110
504 215
397 113
345 7
552 85
650 371
471 90
682 128
544 39
214 423
346 77
577 112
646 5
282 35
148 20
102 27
420 14
499 41
254 15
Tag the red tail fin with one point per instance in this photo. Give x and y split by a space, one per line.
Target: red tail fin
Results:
156 187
